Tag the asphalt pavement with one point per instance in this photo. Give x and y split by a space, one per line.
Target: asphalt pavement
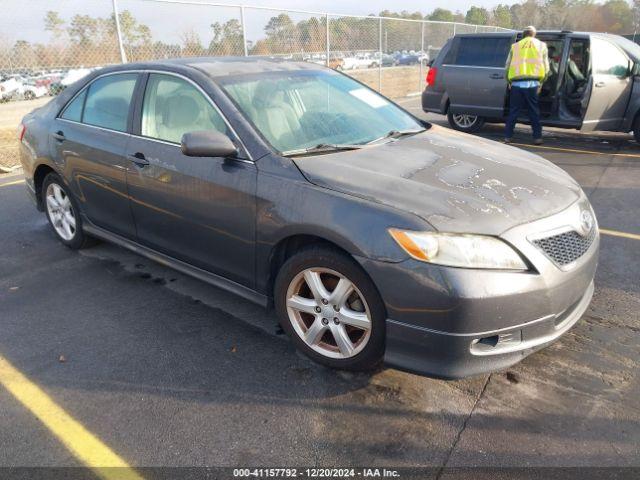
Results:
167 371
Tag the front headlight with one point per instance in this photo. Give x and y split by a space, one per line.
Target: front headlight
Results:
459 250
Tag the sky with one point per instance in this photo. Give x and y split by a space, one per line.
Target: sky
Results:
170 21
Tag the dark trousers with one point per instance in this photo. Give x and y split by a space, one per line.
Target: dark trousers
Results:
521 98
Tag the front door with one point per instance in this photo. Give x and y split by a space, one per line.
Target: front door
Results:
195 209
90 138
474 74
610 84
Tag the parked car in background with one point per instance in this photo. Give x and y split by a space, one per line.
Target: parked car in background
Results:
70 77
359 61
408 59
594 84
386 60
9 88
375 235
337 63
30 91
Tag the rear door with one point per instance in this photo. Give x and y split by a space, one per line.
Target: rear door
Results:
473 74
611 83
89 139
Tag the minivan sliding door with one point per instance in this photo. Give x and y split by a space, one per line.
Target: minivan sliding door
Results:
474 73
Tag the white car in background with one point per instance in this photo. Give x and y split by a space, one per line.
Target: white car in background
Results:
30 91
359 61
74 75
9 88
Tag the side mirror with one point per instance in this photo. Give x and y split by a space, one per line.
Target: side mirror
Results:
207 143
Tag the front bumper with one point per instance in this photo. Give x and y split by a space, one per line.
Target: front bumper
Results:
447 355
454 322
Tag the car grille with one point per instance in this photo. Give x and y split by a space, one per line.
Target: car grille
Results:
566 247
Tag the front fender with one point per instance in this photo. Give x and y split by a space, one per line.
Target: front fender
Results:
287 208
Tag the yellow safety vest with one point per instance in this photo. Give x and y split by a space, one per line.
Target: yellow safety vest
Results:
527 60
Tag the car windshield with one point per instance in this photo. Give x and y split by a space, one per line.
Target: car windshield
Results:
302 110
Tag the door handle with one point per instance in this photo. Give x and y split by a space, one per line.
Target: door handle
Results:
139 159
496 76
600 84
59 135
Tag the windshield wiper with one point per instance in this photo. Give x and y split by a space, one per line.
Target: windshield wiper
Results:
321 148
393 134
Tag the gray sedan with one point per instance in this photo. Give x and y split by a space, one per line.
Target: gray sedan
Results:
375 236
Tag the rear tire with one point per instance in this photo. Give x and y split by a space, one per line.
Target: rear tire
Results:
63 213
465 123
331 309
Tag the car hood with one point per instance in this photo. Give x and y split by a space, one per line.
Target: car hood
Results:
454 181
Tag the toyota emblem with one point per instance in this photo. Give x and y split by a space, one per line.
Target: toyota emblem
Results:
586 222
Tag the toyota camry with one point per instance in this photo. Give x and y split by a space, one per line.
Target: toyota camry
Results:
376 236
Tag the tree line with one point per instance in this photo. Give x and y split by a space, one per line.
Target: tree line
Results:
84 40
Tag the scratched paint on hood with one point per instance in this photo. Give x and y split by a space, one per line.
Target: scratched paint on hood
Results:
454 181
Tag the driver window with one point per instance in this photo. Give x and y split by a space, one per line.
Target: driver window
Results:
173 106
609 59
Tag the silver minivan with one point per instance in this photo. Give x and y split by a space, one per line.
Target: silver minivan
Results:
594 82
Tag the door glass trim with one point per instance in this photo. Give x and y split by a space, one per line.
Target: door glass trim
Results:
86 87
207 98
129 133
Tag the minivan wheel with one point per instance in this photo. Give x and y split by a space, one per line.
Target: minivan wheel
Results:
464 122
63 213
331 309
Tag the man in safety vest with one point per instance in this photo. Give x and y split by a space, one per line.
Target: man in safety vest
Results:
527 68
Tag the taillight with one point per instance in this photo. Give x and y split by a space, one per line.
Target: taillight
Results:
431 76
21 131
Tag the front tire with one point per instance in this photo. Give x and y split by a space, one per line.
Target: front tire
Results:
465 123
331 309
63 213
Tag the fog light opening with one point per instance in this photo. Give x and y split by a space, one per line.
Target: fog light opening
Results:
491 341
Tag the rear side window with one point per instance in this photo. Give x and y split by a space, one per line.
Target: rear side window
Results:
73 111
608 59
480 51
108 100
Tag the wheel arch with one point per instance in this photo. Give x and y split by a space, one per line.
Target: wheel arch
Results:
288 245
39 174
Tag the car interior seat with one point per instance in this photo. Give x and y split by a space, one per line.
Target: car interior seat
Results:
180 115
275 117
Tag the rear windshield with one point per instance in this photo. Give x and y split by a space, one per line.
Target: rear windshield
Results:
479 51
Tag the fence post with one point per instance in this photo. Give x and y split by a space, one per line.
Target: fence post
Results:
454 29
422 52
123 55
244 32
380 53
327 43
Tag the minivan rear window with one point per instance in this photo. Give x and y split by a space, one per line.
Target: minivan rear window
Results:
481 51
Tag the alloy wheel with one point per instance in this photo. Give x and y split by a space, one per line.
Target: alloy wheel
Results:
61 212
329 313
464 121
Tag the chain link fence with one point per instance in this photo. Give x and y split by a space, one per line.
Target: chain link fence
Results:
48 45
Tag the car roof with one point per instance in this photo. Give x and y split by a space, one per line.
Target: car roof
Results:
221 66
